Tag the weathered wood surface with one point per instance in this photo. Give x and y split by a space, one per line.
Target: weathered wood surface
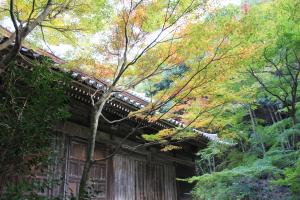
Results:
98 172
49 176
138 179
127 176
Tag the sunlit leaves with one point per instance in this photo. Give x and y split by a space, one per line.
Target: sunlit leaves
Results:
67 18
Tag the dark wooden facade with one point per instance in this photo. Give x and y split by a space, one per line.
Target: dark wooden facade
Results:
131 174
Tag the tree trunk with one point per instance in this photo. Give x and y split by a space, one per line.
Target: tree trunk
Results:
254 131
276 113
209 164
294 121
271 114
214 164
96 111
293 113
242 145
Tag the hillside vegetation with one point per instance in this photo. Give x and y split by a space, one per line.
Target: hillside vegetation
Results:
261 113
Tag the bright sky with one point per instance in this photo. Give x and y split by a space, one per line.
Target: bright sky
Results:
62 49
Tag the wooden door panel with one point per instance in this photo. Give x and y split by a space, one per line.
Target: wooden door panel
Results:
78 150
98 177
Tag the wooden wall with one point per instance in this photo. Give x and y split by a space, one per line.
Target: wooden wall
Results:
138 178
74 167
127 176
141 175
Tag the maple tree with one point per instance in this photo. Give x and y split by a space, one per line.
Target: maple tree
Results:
140 29
146 40
261 49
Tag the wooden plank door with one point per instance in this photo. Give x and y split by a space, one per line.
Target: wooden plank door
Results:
77 157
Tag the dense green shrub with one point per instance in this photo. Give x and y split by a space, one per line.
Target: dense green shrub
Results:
244 175
32 102
291 178
249 181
